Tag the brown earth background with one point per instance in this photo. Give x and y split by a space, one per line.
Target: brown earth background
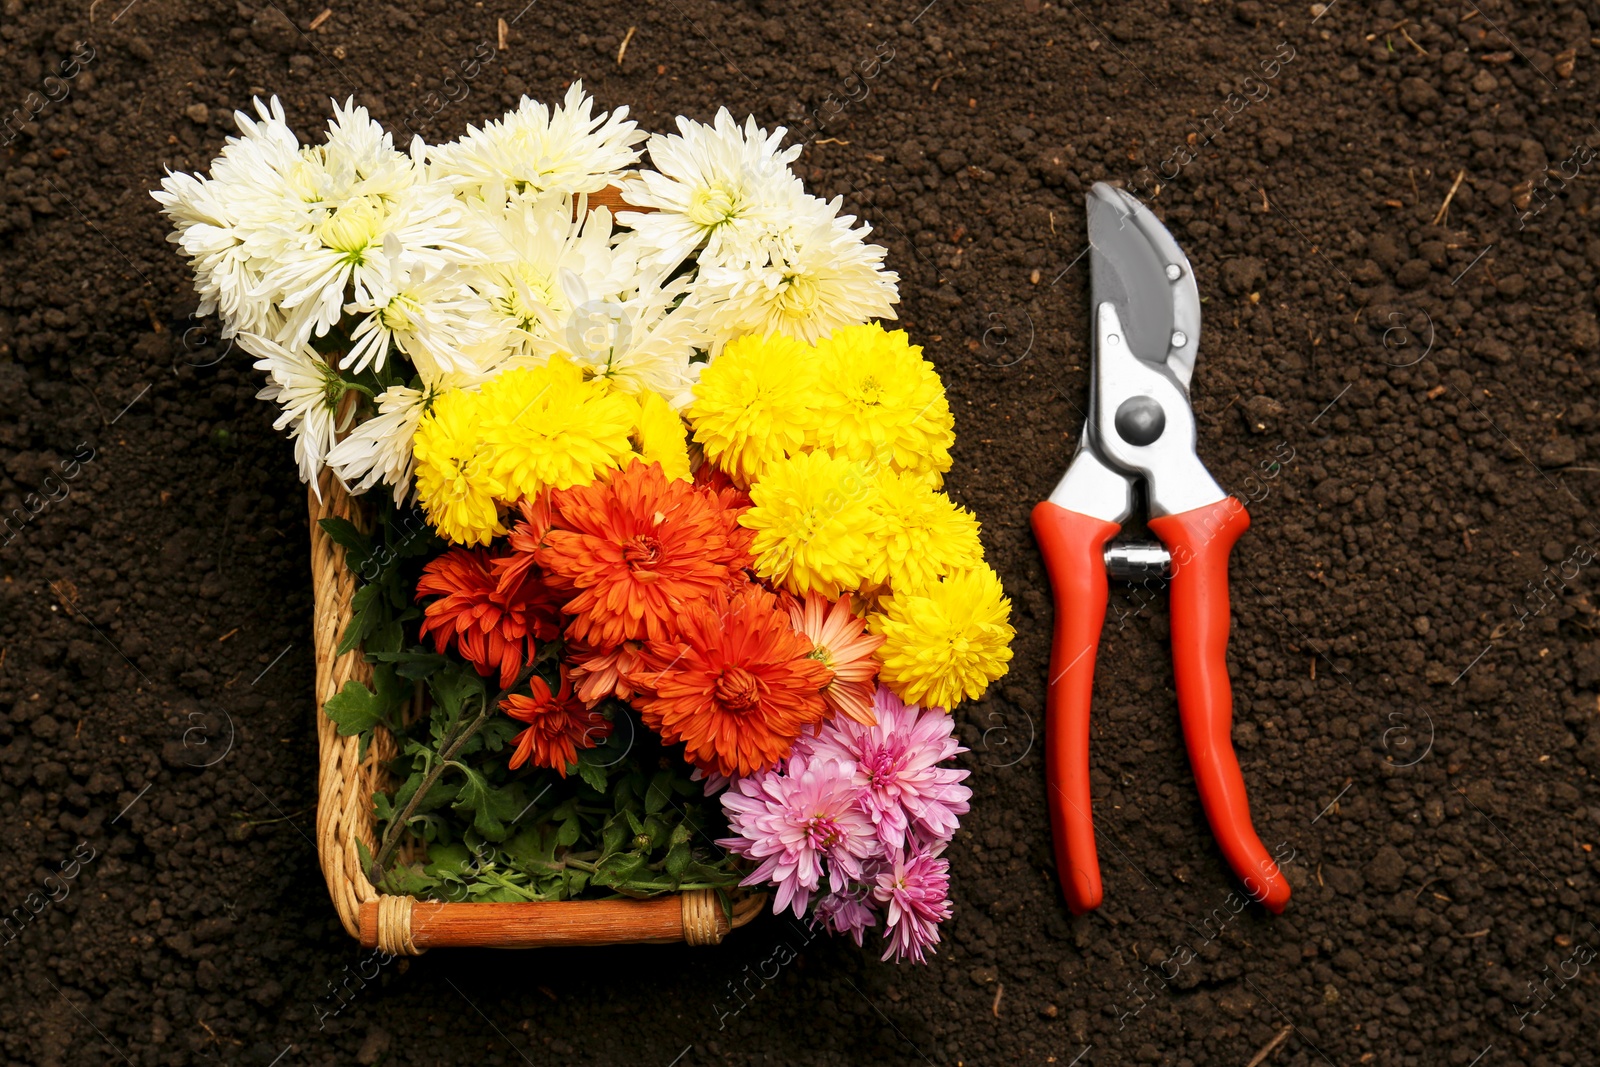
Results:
1404 396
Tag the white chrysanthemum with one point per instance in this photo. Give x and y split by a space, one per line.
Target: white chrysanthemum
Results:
818 274
379 450
228 224
537 151
432 316
351 245
645 341
719 185
523 250
309 392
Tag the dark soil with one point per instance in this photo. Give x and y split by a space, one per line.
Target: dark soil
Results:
1413 652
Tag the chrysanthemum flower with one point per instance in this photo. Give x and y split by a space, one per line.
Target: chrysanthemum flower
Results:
309 391
547 428
738 685
728 493
538 150
801 824
455 482
660 437
558 725
945 641
494 632
914 886
897 767
431 316
638 548
753 404
924 534
847 912
600 673
514 568
879 400
719 185
814 274
814 528
840 640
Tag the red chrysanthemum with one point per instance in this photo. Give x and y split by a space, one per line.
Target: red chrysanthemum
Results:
492 628
638 547
738 687
558 725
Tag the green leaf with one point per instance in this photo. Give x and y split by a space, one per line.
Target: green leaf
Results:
414 663
453 687
354 709
569 832
357 545
660 791
491 807
448 861
614 837
617 869
593 775
409 881
678 861
530 850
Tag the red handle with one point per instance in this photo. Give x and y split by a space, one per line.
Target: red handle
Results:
1073 547
1199 542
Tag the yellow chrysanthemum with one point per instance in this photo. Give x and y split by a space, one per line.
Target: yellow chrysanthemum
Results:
753 404
454 481
814 529
946 641
924 535
660 436
880 400
547 428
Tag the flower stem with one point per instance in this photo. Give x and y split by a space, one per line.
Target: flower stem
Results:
447 753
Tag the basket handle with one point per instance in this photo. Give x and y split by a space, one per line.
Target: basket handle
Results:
407 926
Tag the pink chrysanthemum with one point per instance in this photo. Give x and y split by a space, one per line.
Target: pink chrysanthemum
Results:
849 912
800 823
897 767
915 887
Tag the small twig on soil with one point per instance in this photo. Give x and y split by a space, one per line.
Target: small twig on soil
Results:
1451 195
316 23
1270 1047
999 991
623 49
502 30
1412 43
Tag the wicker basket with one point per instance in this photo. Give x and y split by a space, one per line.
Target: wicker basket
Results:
345 784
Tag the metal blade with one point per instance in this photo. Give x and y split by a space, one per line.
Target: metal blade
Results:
1135 264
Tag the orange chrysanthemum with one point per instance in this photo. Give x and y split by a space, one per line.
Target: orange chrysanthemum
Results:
841 641
598 674
720 482
638 547
558 725
493 628
526 537
737 688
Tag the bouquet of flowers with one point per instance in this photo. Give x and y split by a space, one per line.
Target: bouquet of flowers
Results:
661 533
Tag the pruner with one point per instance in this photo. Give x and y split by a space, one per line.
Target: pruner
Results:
1146 330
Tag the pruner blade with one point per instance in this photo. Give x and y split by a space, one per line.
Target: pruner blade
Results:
1135 265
